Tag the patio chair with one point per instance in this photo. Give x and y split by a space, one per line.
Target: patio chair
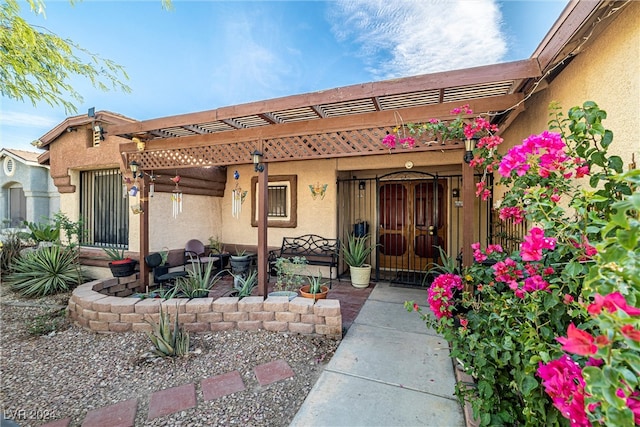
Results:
196 254
161 274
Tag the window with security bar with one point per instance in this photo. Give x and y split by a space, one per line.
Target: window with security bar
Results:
282 201
277 201
104 209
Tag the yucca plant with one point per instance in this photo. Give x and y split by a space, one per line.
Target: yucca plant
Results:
167 341
46 271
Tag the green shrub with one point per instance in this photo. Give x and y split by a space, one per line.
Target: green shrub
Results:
42 232
46 271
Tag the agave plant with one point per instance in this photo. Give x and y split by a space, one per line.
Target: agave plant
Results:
46 271
243 286
167 341
197 283
356 251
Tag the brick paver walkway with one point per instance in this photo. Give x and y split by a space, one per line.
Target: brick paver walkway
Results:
176 399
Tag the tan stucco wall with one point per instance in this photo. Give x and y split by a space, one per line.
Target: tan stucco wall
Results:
200 219
606 72
314 216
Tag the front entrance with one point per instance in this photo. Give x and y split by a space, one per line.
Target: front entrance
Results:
409 214
412 224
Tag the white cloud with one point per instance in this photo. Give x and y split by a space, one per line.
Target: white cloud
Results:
13 118
405 38
254 62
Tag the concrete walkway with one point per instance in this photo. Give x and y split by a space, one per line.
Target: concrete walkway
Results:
389 370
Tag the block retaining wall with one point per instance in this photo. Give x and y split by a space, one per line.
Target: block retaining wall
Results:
106 306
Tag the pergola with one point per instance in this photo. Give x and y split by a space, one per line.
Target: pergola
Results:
341 122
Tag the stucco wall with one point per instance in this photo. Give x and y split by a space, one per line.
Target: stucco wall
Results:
200 218
606 72
314 216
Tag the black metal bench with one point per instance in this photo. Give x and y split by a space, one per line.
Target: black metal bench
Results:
317 250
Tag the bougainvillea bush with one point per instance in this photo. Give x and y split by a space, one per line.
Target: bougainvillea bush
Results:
551 331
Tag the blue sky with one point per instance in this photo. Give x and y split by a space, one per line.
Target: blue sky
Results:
209 54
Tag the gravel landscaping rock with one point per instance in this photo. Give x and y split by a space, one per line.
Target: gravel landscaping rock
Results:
69 371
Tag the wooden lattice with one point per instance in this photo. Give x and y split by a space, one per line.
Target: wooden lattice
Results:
358 142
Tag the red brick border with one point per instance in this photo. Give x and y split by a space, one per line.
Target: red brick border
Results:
93 306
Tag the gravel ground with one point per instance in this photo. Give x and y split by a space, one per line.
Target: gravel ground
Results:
70 371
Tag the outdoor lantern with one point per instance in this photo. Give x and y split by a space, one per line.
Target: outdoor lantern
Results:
469 145
257 161
134 169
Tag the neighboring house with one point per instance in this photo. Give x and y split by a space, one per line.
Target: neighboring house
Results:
28 193
328 172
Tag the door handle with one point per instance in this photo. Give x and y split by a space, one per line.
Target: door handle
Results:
431 228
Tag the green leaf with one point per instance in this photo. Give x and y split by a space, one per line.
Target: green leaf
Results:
528 384
615 163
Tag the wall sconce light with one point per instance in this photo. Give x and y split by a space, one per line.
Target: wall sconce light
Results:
456 192
257 161
469 145
71 129
98 129
362 185
134 166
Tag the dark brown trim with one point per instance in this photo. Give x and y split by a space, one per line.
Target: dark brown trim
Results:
292 222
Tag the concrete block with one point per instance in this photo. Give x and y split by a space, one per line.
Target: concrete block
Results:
250 304
301 305
327 307
237 316
287 317
225 304
199 305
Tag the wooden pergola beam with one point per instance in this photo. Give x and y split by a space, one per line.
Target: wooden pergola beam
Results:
485 74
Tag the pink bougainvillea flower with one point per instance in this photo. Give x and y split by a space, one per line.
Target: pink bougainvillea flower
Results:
416 307
563 382
390 141
630 332
440 294
514 212
633 403
578 341
611 303
494 248
464 323
567 299
582 171
408 142
478 255
533 244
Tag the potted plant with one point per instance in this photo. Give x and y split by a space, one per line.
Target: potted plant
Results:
288 276
120 265
355 254
240 262
316 288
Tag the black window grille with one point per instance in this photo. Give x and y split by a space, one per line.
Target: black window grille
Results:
277 201
104 208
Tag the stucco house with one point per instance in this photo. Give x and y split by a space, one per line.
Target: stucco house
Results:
322 168
28 192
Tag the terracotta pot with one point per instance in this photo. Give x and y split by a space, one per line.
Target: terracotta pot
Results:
324 290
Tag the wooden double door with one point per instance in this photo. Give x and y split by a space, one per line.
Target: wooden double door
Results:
412 223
